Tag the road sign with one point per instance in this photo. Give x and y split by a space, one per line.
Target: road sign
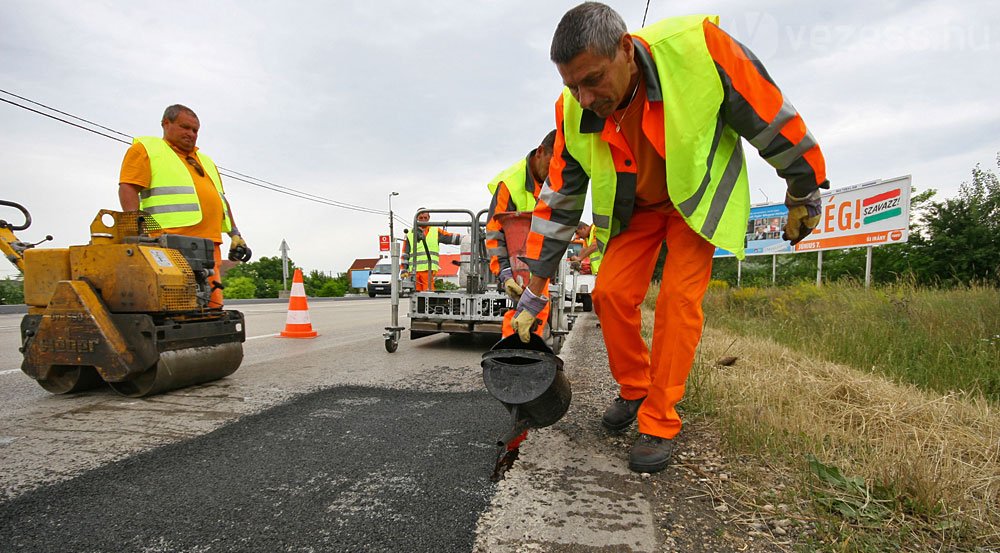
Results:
383 243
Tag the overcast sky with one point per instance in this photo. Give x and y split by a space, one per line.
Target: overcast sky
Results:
352 100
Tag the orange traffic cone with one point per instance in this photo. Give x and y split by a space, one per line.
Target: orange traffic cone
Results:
297 323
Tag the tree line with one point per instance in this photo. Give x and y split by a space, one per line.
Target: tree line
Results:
263 279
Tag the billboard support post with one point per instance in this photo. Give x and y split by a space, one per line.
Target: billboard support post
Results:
819 268
868 267
774 269
739 273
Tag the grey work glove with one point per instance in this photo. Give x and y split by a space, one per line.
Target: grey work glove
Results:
803 216
527 310
510 286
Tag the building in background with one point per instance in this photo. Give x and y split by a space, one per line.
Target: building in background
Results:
359 271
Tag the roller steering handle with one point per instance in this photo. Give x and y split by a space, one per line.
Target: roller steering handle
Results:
19 207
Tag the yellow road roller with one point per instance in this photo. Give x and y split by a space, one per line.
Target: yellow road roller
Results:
129 309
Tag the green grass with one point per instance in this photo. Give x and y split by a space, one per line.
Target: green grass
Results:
873 465
944 340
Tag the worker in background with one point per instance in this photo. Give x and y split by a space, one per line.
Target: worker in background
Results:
654 120
585 233
515 189
421 252
180 187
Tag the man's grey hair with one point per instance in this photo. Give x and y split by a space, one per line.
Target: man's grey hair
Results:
171 113
591 26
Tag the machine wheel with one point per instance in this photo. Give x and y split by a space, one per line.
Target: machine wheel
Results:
65 379
557 343
391 344
588 304
371 294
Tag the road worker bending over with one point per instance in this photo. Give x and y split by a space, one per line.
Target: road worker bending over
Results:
654 120
515 189
585 233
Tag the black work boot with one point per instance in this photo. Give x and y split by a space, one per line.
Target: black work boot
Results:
621 414
650 453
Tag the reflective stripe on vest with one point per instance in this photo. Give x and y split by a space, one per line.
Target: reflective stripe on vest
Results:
417 252
705 168
596 256
171 197
519 184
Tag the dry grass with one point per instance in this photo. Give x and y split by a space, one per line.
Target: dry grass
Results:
931 460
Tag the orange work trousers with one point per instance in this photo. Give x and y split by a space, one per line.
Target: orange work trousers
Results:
424 281
215 302
658 375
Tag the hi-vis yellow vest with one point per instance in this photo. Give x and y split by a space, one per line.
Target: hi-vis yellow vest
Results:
707 182
171 197
596 256
418 261
516 177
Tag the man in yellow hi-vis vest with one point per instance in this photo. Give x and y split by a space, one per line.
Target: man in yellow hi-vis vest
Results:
421 253
654 122
180 188
585 233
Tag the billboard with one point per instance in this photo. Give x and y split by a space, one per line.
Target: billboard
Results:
866 214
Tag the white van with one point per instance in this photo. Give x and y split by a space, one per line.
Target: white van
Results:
380 280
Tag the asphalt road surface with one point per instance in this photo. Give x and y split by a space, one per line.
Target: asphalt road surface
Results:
327 444
323 435
345 469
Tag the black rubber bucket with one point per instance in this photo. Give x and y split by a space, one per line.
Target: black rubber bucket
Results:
528 377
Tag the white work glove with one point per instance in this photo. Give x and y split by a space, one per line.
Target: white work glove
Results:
527 310
510 286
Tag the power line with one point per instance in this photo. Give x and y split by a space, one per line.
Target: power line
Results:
63 120
228 173
50 108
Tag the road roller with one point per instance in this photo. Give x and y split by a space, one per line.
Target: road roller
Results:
131 309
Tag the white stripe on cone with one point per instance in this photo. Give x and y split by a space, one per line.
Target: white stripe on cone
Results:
298 289
297 318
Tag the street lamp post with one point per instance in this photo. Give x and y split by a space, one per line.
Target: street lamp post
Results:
392 236
393 332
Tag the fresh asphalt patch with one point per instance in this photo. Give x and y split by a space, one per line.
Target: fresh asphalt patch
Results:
343 469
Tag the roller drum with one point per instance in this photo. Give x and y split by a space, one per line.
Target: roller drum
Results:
184 367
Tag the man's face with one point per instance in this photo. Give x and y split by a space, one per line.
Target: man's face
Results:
540 161
597 82
182 132
582 232
424 217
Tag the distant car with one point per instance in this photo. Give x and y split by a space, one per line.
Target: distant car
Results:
380 281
